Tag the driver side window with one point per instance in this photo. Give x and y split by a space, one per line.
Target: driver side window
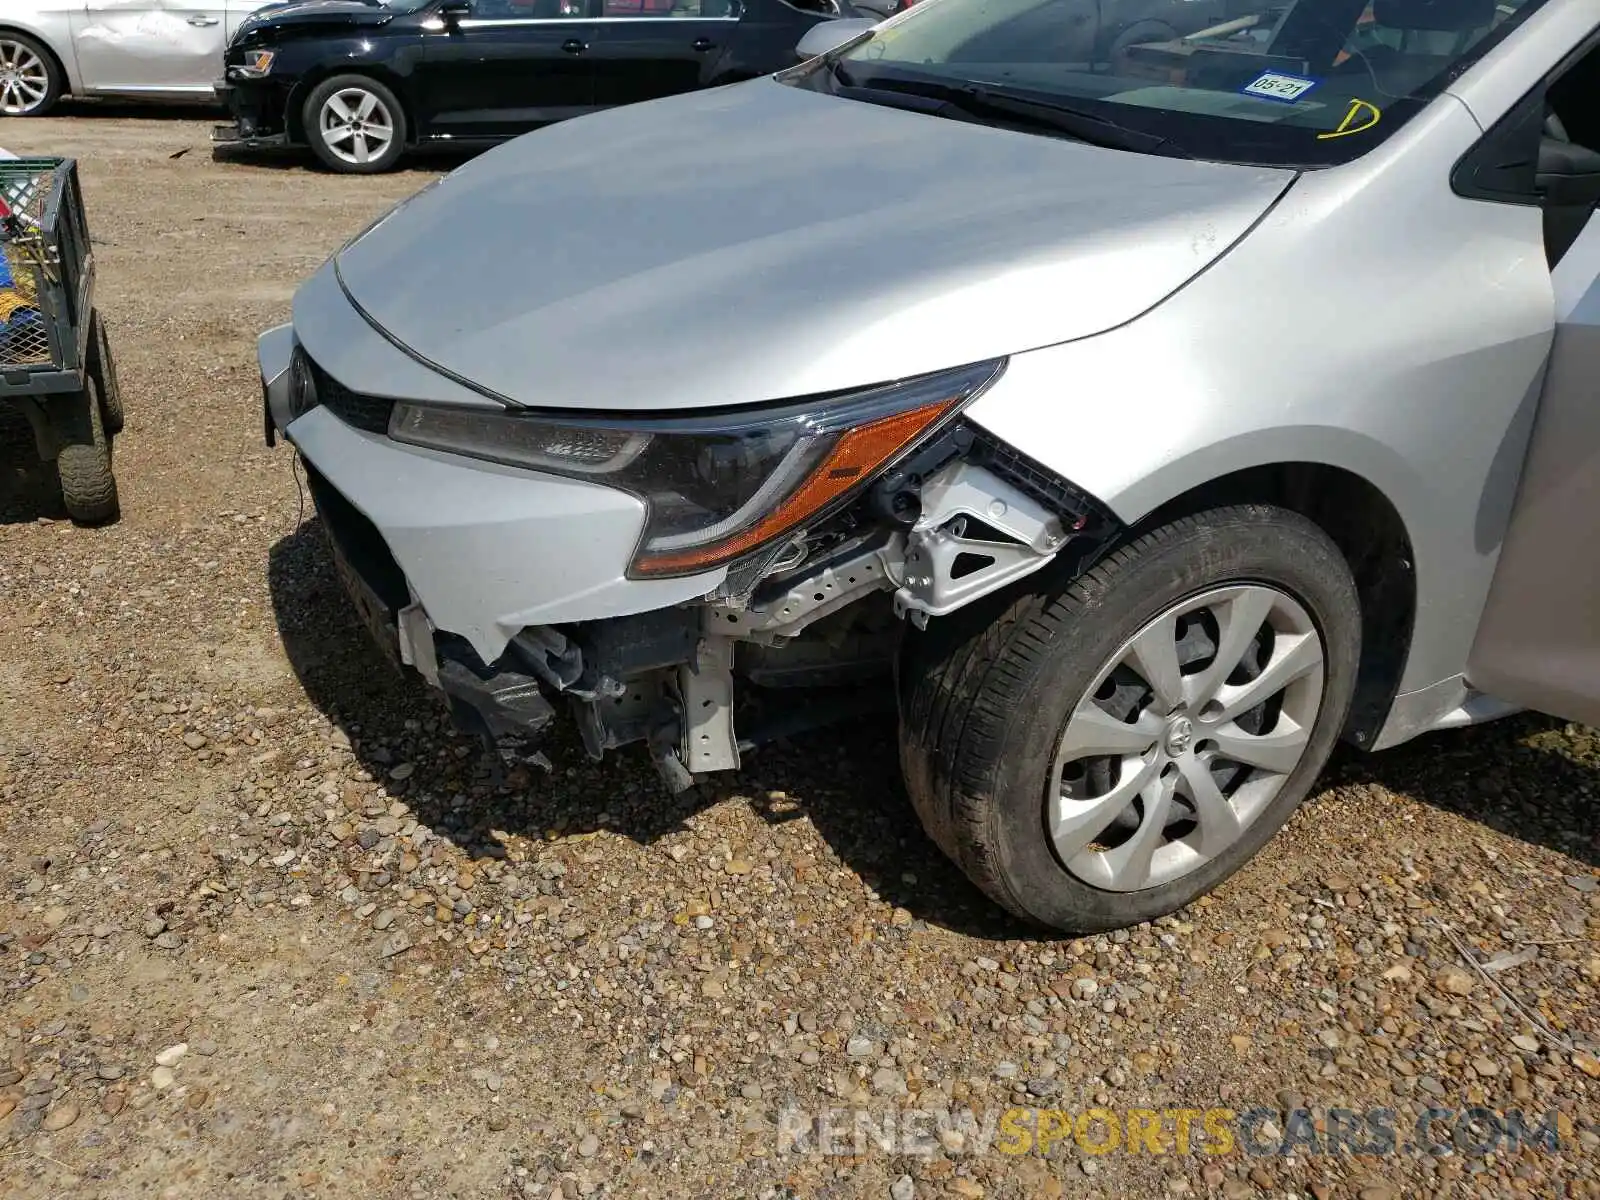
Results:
527 10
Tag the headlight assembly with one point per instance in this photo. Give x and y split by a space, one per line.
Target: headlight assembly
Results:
256 63
719 485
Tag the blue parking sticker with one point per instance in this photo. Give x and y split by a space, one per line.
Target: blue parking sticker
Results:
1277 85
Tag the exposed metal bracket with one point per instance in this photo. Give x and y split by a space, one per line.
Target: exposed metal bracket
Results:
937 580
416 640
834 587
706 690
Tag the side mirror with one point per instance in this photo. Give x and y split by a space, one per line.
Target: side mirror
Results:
827 36
1568 174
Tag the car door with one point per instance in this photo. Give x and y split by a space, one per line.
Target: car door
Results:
651 48
150 47
1538 643
506 67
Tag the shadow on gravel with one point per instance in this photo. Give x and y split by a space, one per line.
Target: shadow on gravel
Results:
28 488
134 110
1525 776
846 780
298 158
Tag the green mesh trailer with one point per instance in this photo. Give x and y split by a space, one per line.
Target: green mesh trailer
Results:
55 359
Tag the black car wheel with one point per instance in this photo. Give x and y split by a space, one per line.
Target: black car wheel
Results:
30 81
355 125
1105 748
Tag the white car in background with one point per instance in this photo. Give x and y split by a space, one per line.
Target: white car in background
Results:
131 49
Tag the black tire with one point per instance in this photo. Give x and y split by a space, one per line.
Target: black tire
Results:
317 138
10 41
985 694
103 370
88 487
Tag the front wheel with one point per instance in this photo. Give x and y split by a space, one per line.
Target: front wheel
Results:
1105 751
355 124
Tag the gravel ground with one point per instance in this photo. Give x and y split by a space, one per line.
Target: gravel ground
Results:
268 929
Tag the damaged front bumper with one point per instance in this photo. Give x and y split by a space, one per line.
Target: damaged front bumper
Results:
507 588
258 110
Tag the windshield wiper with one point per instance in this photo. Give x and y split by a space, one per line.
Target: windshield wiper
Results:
1074 122
977 101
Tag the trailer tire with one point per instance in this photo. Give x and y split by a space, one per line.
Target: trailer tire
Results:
88 487
103 370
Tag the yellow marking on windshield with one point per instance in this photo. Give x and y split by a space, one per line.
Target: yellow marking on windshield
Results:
1366 114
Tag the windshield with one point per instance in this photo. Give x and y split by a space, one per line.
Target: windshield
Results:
1300 83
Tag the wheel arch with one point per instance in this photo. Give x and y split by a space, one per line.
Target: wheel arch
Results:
1367 526
294 107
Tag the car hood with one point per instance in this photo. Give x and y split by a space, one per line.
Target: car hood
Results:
760 241
300 14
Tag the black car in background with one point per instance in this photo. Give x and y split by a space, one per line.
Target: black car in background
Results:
359 82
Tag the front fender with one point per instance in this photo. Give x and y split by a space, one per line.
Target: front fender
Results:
1411 358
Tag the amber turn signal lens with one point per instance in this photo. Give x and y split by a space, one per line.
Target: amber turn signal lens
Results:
856 456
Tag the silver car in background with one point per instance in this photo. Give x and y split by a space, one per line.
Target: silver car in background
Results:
167 50
1153 425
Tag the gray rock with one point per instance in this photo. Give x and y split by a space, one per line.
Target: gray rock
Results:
886 1081
902 1189
396 943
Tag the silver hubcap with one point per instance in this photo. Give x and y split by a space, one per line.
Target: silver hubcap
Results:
1185 737
24 79
356 125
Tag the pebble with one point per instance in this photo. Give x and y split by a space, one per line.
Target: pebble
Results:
859 1047
902 1189
170 1056
589 1146
162 1078
886 1081
396 943
1454 981
60 1117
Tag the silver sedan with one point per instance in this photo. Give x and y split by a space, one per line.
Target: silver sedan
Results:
134 49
